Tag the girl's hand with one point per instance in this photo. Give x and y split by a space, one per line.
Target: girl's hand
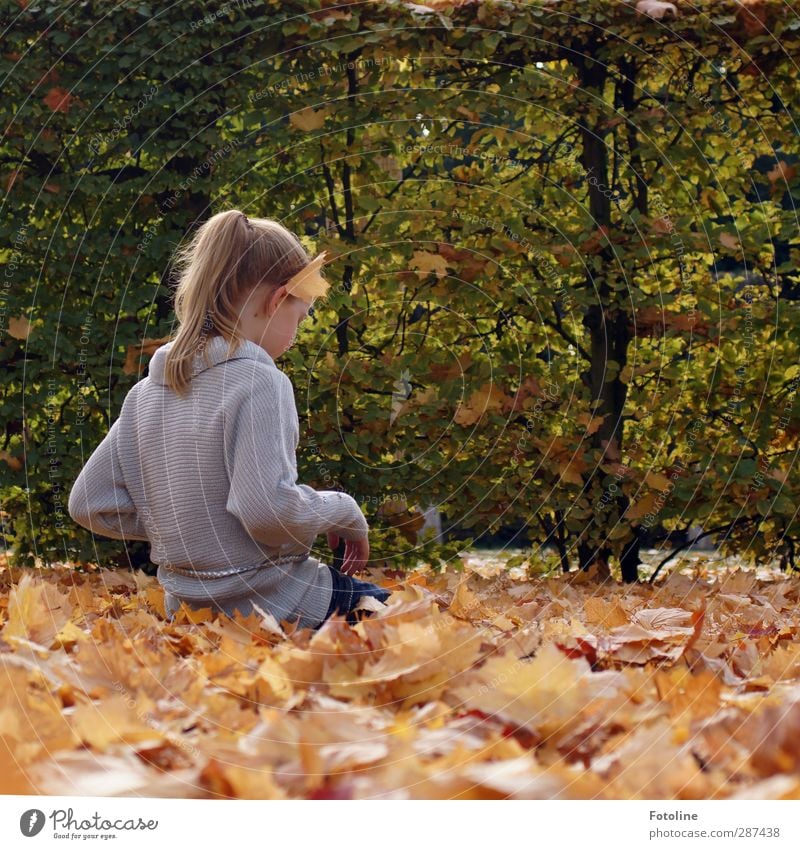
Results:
356 553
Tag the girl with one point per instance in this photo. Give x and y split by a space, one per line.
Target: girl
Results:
201 461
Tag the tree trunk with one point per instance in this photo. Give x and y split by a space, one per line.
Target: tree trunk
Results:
608 326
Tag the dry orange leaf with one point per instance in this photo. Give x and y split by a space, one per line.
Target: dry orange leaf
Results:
488 397
642 506
19 327
14 463
148 347
729 240
782 173
657 481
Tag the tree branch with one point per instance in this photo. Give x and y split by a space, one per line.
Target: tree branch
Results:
743 520
559 328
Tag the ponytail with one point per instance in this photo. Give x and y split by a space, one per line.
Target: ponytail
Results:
228 255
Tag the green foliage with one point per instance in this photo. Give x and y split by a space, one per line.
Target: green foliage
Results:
526 210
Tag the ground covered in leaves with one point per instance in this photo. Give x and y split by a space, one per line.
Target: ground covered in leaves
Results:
468 684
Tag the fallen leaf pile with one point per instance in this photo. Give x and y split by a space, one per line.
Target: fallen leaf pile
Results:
465 685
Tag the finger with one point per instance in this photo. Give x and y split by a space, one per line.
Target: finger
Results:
344 568
351 559
358 558
362 553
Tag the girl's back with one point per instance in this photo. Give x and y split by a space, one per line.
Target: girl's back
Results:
177 463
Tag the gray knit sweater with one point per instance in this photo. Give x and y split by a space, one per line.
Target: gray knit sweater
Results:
210 480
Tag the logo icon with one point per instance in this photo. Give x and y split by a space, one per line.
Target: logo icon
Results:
31 822
402 392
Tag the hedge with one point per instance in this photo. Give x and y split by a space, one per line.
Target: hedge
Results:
564 242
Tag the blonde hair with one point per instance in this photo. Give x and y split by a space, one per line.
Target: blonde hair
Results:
228 255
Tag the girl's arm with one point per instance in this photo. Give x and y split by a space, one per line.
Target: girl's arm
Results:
261 432
99 499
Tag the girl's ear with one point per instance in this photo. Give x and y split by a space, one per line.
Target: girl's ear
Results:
273 299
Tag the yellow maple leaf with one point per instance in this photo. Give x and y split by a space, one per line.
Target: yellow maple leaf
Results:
36 611
119 718
466 604
309 118
68 636
274 676
425 262
598 611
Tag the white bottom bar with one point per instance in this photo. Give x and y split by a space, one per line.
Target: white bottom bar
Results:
223 824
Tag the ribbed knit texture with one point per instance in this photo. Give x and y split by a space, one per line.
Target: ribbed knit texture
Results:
210 480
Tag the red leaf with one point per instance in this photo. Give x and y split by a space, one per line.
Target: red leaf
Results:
583 649
58 99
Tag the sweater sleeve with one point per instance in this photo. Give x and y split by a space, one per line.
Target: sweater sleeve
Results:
261 437
99 499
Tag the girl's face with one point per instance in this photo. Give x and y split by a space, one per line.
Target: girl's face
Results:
281 316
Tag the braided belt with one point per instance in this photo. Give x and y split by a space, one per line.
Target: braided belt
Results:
293 559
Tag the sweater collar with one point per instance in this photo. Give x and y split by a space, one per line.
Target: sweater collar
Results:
216 350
